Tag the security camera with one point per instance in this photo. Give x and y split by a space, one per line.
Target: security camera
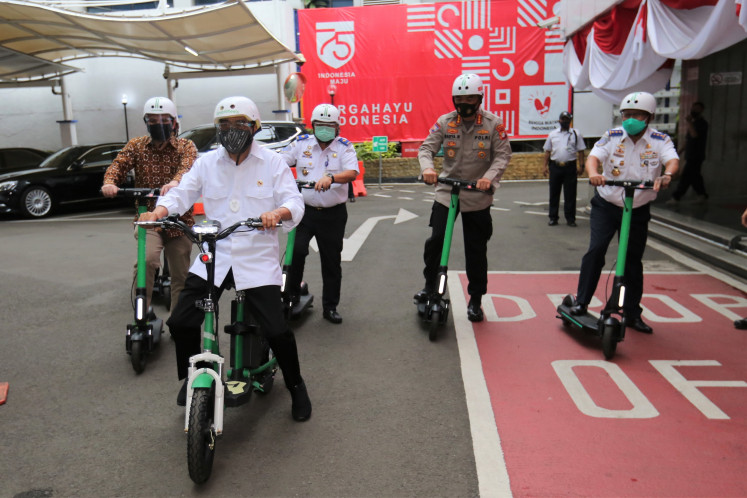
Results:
548 23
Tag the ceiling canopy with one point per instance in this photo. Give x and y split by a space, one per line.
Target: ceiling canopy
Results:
37 41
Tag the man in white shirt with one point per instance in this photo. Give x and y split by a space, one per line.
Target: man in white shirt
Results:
330 162
564 161
633 152
237 181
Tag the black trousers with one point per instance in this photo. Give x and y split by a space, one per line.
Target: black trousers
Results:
691 177
563 177
477 230
264 303
328 226
605 221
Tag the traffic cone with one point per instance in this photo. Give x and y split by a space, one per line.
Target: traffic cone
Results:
3 392
198 207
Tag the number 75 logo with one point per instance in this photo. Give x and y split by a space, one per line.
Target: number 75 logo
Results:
335 42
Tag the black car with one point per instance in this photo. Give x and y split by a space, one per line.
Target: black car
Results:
274 135
17 158
71 175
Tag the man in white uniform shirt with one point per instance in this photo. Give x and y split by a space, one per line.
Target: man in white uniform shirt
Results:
564 156
633 152
330 161
237 181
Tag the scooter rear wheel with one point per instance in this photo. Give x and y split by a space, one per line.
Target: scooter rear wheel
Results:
137 356
200 436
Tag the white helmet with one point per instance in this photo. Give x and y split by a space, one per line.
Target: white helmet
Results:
467 84
640 101
326 113
237 106
160 105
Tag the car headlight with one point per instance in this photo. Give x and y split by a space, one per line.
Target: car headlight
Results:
5 186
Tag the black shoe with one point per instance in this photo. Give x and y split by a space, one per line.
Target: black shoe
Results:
571 223
151 316
181 398
641 326
741 324
578 309
422 295
301 406
552 223
474 310
332 316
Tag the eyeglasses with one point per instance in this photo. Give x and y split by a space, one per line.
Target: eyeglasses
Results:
154 120
236 125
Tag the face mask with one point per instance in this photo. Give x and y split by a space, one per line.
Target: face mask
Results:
324 133
633 126
466 110
564 125
235 140
694 114
160 132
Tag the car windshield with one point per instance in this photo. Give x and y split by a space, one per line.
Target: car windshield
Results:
202 137
61 158
264 135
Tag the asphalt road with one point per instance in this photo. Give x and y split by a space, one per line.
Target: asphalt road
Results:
389 416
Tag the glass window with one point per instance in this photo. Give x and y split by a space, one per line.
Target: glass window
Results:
21 158
102 154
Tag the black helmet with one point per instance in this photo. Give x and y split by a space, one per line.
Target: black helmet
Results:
565 115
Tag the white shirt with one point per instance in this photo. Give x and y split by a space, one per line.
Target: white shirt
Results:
564 145
312 163
642 160
231 193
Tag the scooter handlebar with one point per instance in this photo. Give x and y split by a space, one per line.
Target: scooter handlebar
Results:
136 193
462 184
305 184
208 229
639 184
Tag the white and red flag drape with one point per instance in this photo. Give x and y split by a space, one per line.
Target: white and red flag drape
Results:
633 46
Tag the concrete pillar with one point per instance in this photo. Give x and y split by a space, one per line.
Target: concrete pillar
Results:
68 132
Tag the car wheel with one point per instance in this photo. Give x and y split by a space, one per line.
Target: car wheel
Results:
36 202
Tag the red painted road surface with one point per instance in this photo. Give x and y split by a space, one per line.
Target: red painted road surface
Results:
666 417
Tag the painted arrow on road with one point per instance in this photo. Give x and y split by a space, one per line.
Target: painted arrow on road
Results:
351 245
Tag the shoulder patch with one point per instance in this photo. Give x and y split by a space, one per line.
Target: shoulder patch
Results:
658 136
305 136
435 128
343 141
616 132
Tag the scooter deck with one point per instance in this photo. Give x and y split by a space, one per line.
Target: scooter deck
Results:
304 302
587 322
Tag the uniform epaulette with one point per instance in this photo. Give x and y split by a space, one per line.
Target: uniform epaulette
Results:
658 136
303 137
615 133
343 141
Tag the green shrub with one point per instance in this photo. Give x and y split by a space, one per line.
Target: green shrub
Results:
365 151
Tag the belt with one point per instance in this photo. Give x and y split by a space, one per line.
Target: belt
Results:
322 208
565 163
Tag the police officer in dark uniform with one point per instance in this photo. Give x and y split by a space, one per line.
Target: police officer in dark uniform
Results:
330 161
564 161
476 148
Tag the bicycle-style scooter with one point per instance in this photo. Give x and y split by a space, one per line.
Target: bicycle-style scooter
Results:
434 308
209 386
144 333
292 310
607 326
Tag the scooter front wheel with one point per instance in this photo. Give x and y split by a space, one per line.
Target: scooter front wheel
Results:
609 338
433 325
137 356
200 436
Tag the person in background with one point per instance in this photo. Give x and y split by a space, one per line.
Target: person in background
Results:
564 160
159 159
742 322
331 162
695 149
634 152
476 148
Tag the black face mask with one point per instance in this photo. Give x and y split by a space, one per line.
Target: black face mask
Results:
564 125
694 114
466 110
160 132
235 140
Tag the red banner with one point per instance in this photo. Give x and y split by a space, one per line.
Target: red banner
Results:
389 68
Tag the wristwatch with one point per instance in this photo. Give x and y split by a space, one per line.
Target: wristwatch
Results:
331 176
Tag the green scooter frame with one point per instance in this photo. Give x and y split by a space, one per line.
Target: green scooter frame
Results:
143 334
608 326
435 308
210 386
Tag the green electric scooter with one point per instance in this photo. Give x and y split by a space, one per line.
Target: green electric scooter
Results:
434 308
610 328
144 333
